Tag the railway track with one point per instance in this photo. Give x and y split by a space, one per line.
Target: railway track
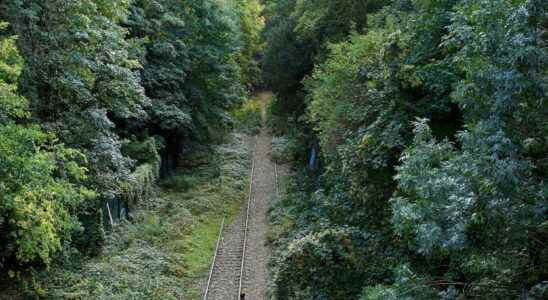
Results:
239 268
227 255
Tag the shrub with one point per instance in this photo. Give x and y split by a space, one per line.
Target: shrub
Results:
142 151
248 117
283 149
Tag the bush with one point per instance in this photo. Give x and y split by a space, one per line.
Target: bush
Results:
333 263
284 150
142 151
247 118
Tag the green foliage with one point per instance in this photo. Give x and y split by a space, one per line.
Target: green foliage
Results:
41 179
282 149
432 193
248 116
79 78
407 286
37 204
286 59
330 264
189 56
12 106
142 184
297 32
189 69
112 86
94 234
142 152
251 24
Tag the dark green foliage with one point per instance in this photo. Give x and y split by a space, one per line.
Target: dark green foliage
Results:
251 23
296 33
248 116
287 60
81 81
41 180
432 127
488 186
92 238
79 77
142 152
330 264
111 87
165 251
189 69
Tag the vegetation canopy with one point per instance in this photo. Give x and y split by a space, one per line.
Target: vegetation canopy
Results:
430 117
416 132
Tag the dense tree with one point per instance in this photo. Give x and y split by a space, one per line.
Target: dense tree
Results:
109 84
434 193
78 78
251 23
41 179
297 33
429 117
492 184
189 70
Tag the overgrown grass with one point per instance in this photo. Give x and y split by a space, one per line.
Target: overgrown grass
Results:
166 248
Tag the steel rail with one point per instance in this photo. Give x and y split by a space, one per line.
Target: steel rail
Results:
214 259
220 237
242 266
276 174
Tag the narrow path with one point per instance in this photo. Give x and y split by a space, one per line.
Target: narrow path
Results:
225 277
